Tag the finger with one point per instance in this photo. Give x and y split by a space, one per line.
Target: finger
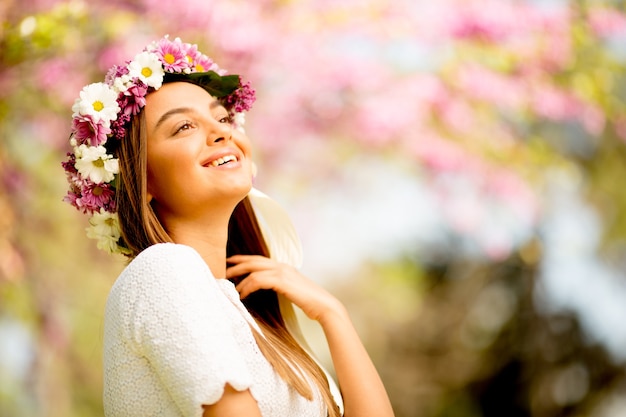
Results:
250 264
246 268
235 259
261 280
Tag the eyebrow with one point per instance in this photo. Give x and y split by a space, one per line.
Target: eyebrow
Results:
179 110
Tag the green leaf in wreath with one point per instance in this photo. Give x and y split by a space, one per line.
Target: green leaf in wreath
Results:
217 85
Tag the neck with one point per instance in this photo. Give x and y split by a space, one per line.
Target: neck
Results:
207 236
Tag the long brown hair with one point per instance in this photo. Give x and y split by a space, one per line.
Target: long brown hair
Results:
141 228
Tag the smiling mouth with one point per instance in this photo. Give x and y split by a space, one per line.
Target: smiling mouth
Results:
222 161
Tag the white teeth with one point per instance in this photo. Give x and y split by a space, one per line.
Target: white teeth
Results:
223 160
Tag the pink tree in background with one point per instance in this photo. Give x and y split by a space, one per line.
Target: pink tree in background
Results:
459 87
462 88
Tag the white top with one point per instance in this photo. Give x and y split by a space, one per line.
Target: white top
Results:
174 336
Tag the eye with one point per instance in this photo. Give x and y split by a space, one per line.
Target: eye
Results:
225 119
186 125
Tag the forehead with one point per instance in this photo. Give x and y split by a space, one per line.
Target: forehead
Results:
173 98
177 93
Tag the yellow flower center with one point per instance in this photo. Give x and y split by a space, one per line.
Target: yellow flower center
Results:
199 68
146 72
98 163
98 105
189 59
169 58
97 191
110 222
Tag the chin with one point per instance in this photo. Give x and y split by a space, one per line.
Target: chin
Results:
241 190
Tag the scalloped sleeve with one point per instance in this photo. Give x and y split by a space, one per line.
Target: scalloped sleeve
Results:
170 330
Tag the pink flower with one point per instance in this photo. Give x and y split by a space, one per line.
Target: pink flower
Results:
115 72
87 132
71 197
118 126
191 53
74 179
95 196
134 98
242 99
197 61
70 168
172 55
84 194
203 63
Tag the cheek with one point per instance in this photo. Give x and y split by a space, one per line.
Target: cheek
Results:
243 143
160 173
152 181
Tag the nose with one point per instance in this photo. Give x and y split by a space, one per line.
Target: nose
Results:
220 132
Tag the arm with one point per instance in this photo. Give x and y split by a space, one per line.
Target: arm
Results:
361 387
233 403
363 392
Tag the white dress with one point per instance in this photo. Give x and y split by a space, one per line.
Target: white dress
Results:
174 336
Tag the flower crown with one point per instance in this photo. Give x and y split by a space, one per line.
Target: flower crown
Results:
102 115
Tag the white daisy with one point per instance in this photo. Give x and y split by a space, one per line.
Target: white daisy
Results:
239 120
121 84
104 227
147 67
94 163
99 101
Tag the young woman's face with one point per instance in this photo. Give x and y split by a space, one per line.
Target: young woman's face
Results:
196 160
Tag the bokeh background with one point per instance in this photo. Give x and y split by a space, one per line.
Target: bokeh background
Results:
456 169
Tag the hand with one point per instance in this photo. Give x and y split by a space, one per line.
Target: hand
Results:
265 273
355 371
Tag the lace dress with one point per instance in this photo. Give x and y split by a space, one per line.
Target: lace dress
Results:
174 336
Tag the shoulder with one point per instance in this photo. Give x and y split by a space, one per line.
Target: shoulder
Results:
164 258
163 254
162 267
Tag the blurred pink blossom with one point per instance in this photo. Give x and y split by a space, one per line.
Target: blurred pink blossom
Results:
483 84
498 21
59 77
477 21
439 154
123 49
487 205
553 102
558 104
515 192
50 129
438 82
607 22
181 14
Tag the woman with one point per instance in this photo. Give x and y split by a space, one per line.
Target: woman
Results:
200 322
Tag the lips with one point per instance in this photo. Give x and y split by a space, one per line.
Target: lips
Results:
221 159
224 160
